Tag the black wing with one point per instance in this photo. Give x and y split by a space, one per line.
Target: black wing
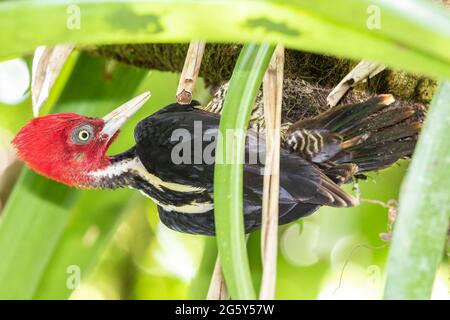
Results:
300 181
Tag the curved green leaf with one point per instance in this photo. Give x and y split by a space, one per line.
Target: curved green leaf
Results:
421 230
413 35
228 175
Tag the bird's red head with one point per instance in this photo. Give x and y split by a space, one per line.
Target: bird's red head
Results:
67 147
64 147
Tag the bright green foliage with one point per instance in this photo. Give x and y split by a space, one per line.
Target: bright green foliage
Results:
228 175
46 228
422 226
413 35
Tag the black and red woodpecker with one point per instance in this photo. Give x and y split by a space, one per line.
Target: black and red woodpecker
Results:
317 156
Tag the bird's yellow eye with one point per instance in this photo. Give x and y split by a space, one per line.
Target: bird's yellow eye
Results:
84 135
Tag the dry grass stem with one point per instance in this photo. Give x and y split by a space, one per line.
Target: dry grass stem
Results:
217 288
47 65
272 96
363 71
190 72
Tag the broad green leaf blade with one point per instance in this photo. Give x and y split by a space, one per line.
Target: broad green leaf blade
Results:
199 286
413 35
421 24
31 225
38 209
89 228
421 230
228 174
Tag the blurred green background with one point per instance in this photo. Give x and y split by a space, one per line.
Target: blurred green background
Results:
113 241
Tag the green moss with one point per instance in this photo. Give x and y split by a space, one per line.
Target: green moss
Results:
425 90
309 77
402 84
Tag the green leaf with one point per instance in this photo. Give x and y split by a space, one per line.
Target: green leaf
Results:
36 219
413 35
421 229
88 230
31 225
228 175
199 286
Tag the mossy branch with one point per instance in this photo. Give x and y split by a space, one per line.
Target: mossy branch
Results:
308 78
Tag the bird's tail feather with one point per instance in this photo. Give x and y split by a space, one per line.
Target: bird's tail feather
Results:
353 139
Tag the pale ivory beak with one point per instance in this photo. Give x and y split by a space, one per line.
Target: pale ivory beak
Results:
117 118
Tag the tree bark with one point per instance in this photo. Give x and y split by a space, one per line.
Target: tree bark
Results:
309 78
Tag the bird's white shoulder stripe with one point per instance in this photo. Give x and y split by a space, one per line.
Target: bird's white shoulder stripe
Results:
134 164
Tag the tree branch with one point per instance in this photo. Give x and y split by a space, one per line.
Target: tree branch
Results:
308 78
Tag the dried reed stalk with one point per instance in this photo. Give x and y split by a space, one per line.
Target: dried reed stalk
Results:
189 75
47 65
272 95
217 288
361 72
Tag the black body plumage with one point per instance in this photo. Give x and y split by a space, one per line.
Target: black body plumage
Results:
316 157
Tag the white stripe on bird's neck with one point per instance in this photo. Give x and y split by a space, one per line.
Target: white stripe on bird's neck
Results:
135 167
